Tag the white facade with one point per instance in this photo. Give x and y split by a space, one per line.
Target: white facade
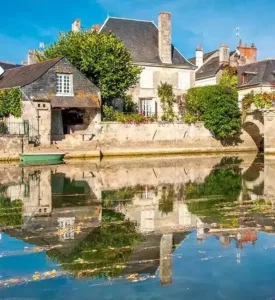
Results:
145 93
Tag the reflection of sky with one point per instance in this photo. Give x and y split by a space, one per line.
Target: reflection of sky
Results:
200 271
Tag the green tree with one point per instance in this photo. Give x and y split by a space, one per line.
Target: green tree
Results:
101 57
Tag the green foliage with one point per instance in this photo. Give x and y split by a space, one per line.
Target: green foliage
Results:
229 77
166 202
110 115
220 189
101 57
217 107
129 105
10 102
263 100
167 100
247 101
10 212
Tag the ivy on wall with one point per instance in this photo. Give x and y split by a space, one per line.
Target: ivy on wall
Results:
10 102
167 101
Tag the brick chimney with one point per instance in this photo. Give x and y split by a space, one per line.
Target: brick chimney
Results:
199 56
165 46
32 57
249 53
76 25
224 53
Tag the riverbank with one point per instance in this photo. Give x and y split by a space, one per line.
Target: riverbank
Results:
132 152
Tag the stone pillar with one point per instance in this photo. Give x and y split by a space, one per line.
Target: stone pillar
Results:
165 46
165 271
45 122
269 132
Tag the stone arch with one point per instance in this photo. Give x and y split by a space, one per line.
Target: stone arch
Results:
254 126
255 132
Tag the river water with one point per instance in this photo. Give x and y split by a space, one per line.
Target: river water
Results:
183 227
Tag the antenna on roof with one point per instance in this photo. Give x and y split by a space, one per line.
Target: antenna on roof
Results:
238 33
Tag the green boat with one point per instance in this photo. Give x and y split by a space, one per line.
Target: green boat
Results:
42 158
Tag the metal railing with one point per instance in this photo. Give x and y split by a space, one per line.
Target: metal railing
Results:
19 129
13 128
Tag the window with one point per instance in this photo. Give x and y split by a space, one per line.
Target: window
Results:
65 84
184 81
146 79
148 107
244 78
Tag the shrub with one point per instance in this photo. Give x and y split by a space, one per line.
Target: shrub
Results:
111 115
217 106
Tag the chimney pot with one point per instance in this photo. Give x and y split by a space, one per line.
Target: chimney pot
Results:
199 56
164 37
76 25
32 57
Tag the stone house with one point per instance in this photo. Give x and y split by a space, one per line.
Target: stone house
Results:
152 49
258 77
210 65
57 99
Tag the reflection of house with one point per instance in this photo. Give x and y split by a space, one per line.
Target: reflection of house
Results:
210 65
148 210
57 98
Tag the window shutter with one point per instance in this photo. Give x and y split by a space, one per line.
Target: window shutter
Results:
146 79
184 79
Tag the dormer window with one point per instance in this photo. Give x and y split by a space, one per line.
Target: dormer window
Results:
65 85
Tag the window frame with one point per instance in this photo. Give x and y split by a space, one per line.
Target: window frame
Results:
66 91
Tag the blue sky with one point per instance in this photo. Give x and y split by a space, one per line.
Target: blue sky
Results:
26 23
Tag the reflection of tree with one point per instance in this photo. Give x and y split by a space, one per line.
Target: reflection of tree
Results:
10 212
112 197
167 200
218 193
104 250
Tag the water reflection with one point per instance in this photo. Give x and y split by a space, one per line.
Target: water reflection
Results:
126 219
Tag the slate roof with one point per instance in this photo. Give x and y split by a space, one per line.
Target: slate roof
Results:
21 76
261 72
211 67
6 65
141 38
205 56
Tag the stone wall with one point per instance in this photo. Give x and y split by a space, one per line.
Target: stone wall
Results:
12 146
166 136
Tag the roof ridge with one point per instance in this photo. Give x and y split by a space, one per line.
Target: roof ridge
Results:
129 19
8 62
259 61
40 62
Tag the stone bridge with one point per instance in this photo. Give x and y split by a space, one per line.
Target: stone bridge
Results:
260 125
